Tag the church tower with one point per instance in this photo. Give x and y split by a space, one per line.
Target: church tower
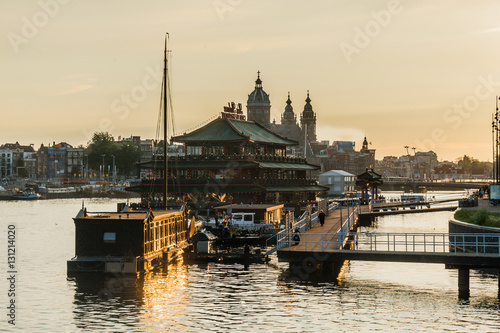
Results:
365 144
259 105
308 121
288 117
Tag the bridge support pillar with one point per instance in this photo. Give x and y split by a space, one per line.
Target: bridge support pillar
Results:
463 283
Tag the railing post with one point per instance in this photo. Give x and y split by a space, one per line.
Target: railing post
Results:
477 246
434 244
484 243
455 243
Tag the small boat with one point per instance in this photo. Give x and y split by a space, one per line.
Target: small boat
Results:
248 218
26 195
243 255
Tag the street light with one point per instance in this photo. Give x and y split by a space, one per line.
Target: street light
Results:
113 170
86 173
102 169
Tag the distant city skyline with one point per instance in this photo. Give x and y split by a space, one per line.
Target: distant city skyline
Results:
402 73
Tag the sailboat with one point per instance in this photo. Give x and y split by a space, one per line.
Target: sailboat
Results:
134 238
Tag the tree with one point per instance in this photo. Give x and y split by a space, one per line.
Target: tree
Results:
126 153
127 156
102 143
474 166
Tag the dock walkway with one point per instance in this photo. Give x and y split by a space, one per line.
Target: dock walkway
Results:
324 237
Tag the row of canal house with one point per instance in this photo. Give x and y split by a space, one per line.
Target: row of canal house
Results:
231 159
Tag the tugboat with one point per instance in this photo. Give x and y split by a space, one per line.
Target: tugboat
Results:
134 238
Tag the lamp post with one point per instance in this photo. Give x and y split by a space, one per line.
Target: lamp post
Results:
86 171
113 170
102 169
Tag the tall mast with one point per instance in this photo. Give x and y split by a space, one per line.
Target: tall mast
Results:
165 144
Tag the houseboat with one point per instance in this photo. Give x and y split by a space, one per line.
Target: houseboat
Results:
127 241
134 238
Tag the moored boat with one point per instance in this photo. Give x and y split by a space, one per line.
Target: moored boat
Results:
134 238
26 195
249 218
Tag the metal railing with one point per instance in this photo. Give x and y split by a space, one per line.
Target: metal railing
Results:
429 243
284 237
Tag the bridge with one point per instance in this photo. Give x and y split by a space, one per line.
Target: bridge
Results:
416 185
326 248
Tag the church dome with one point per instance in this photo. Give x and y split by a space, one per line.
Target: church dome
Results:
258 96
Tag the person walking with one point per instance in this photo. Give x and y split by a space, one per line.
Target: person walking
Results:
321 217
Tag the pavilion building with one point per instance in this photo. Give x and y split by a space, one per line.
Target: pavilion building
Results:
234 160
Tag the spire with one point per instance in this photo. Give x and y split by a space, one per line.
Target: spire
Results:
308 109
258 82
308 100
288 117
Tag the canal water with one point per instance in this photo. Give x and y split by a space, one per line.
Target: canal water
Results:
229 298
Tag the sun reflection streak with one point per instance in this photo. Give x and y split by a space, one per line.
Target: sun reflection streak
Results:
165 298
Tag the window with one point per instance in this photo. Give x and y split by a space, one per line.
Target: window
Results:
214 150
109 237
193 150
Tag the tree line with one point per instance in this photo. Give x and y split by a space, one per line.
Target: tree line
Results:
126 153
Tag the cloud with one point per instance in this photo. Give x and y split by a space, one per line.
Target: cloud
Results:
339 133
487 31
74 89
76 83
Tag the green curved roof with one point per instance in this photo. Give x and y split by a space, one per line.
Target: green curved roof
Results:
223 129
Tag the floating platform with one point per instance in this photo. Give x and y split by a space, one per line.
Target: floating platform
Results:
226 258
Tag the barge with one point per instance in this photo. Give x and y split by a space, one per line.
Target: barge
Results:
127 241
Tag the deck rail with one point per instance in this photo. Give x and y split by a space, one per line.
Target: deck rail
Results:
284 237
429 243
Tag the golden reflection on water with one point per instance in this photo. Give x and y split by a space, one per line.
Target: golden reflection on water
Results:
343 271
164 297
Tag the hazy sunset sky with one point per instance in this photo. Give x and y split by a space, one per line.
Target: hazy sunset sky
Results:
417 73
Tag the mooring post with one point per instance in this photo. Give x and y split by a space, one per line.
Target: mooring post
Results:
463 283
499 282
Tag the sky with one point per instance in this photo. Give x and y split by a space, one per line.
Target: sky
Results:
422 74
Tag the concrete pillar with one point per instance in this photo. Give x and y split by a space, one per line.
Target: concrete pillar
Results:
463 283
